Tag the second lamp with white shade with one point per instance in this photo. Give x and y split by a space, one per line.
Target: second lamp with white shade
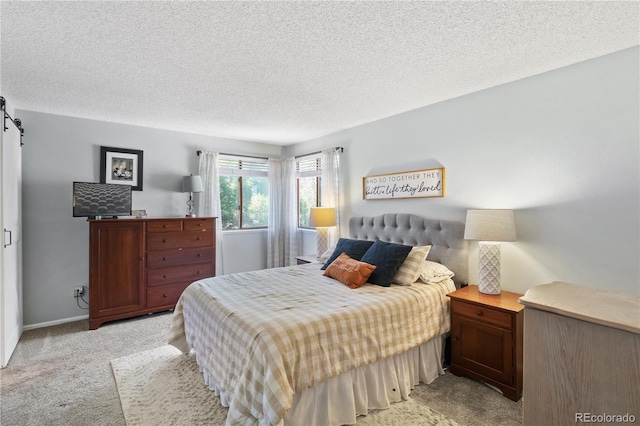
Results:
322 218
489 227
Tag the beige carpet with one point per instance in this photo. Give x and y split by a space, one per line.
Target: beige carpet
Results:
164 387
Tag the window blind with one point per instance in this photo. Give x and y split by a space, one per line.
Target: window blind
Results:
242 166
310 166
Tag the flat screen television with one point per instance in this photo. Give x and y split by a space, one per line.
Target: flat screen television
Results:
100 200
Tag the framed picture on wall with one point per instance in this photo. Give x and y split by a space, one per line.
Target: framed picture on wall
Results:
414 184
121 166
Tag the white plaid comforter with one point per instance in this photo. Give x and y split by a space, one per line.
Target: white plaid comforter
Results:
263 336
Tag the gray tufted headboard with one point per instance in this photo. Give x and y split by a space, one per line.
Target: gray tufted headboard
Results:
446 238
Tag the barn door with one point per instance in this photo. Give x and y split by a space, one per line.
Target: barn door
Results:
11 258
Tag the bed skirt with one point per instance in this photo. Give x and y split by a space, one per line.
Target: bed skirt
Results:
339 400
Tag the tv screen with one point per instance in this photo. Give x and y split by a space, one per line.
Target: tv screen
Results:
101 199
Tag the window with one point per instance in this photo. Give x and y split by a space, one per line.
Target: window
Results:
308 170
244 192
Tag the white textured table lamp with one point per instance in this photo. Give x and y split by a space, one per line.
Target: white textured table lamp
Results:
322 218
489 227
191 184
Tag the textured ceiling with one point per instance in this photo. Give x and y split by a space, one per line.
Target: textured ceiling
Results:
285 72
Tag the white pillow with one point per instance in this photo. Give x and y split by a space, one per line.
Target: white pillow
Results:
410 269
327 254
434 272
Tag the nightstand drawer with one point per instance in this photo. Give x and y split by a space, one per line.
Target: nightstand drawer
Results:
308 258
481 313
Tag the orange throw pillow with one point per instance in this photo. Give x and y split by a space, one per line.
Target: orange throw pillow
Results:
349 271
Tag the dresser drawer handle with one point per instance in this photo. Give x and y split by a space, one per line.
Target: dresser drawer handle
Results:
479 313
198 272
199 254
164 258
164 240
199 238
199 224
165 295
164 276
164 226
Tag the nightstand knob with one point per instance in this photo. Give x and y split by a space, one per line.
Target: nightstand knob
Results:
454 338
479 313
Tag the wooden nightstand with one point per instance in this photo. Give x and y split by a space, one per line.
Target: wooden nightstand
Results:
486 338
308 258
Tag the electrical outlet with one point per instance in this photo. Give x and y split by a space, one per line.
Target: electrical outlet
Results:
78 291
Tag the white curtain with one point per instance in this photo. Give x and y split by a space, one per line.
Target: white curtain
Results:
282 234
330 187
210 200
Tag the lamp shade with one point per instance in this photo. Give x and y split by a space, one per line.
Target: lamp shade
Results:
490 225
321 217
192 184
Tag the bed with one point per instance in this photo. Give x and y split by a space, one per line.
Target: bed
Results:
292 346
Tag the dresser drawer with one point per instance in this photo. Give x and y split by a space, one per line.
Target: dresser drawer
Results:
189 273
165 295
198 225
164 226
481 313
179 256
162 241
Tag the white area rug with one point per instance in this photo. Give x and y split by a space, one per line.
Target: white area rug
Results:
162 386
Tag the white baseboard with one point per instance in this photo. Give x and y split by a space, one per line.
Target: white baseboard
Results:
56 322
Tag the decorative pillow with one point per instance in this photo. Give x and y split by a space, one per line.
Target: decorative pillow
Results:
327 254
409 272
353 248
387 257
434 272
349 271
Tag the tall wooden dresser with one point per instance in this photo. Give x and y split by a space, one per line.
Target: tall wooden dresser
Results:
139 266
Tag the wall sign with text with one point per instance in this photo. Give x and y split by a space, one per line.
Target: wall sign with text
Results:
413 184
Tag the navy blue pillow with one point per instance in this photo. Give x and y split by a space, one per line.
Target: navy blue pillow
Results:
387 257
354 249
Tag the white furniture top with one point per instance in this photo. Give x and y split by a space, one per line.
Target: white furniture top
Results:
604 307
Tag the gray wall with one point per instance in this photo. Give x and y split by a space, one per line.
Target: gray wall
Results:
59 150
560 148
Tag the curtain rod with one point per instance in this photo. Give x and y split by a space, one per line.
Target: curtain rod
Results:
236 155
16 122
335 148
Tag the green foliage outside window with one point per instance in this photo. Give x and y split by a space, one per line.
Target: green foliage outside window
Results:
254 203
229 202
